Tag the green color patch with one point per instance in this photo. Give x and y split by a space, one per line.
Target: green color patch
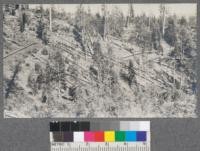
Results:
119 136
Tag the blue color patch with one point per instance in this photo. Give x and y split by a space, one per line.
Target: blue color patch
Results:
130 136
141 136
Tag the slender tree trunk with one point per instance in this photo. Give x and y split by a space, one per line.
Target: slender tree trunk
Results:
149 23
163 17
163 28
83 31
182 54
50 18
174 76
104 20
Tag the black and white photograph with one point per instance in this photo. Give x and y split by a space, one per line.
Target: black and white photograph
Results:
100 60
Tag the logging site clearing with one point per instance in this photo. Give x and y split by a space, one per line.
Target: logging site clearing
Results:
58 64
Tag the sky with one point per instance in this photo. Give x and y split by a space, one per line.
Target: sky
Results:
186 10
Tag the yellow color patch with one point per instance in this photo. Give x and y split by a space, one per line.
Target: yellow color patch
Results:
109 136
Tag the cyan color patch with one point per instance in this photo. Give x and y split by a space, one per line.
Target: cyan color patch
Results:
130 136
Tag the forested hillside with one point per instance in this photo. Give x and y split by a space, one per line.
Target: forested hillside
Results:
58 64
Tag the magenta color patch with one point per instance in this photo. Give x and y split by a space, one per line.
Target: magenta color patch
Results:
89 137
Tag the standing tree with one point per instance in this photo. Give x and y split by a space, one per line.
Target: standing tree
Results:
115 23
41 31
104 21
98 59
23 20
130 18
170 35
79 17
50 18
163 11
60 67
132 13
183 21
155 36
131 74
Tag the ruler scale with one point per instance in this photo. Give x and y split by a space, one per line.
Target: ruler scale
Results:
139 148
100 136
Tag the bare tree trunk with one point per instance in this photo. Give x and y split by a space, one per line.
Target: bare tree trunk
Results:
182 54
131 11
59 84
163 28
149 23
104 17
83 24
131 15
50 18
163 17
174 76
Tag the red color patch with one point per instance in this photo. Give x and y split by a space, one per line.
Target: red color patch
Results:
99 136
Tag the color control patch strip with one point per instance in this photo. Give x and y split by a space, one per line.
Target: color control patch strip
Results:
84 131
100 136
